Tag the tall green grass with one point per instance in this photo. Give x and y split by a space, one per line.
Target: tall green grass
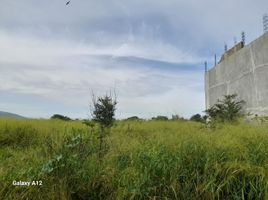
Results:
143 160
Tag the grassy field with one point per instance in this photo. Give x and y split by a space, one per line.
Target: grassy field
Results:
143 160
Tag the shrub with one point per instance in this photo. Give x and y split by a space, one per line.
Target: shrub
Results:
197 118
133 118
104 110
228 109
61 117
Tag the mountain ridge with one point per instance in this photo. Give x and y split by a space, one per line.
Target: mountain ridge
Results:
4 114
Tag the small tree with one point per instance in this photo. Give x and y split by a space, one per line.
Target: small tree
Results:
103 111
228 109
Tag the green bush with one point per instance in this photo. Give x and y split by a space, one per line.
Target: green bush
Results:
104 110
228 109
61 117
198 118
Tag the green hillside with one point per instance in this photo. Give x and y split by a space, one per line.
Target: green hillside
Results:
10 115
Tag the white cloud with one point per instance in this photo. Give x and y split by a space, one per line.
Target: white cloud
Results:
59 53
61 71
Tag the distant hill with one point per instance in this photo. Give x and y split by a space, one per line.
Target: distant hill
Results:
10 115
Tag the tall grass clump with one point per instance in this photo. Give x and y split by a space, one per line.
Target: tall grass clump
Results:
18 136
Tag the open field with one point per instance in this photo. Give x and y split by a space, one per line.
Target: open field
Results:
143 160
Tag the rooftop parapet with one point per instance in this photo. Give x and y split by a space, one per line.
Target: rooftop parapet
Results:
231 51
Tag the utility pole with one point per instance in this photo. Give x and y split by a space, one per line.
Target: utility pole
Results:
243 37
265 22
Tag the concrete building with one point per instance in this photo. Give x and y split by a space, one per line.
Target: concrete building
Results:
242 70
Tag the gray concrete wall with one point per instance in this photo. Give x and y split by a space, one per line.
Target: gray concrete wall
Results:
244 73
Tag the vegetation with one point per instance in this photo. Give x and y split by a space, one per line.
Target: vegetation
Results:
177 117
134 118
160 118
198 118
103 112
61 117
228 109
145 160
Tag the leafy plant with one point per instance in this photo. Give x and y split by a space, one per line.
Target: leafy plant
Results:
228 109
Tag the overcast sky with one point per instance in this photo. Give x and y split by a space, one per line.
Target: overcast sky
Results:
150 51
